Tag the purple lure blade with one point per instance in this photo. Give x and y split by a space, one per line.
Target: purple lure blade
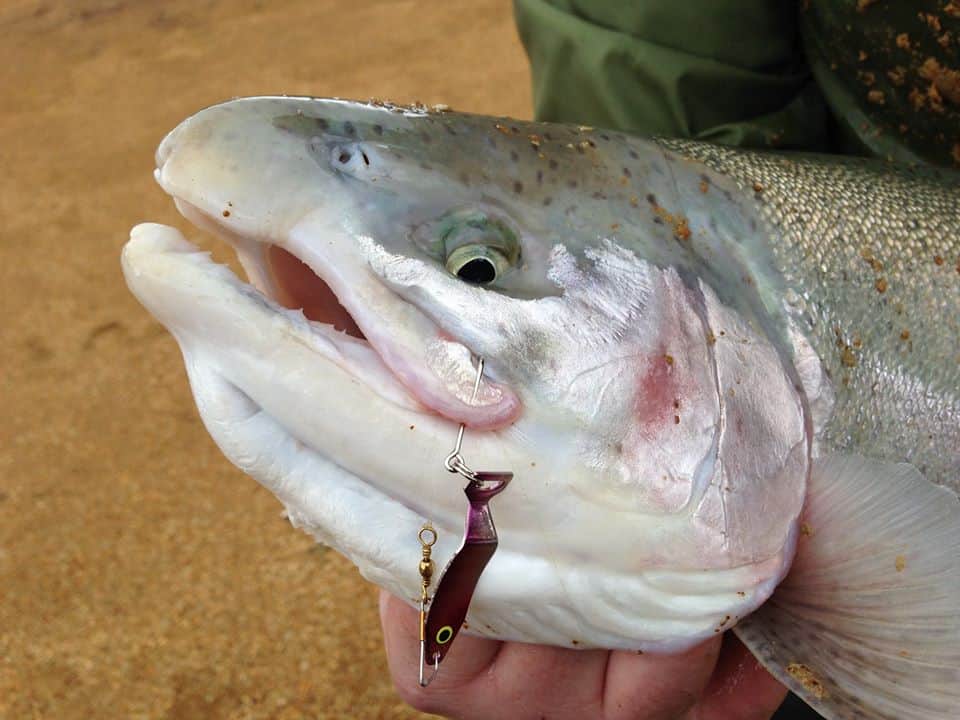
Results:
448 609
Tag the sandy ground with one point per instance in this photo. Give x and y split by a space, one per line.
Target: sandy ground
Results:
142 576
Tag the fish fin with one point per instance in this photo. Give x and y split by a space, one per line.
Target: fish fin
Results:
867 622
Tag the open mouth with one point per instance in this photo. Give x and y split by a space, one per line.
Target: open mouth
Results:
299 287
374 326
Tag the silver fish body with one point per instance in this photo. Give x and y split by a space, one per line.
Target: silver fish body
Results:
868 257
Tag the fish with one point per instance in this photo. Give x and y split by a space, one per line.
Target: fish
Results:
726 382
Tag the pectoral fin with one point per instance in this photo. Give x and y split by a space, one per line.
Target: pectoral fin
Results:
867 623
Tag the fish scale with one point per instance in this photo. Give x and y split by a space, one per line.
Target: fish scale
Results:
870 255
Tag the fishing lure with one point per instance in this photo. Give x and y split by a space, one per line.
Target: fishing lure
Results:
440 624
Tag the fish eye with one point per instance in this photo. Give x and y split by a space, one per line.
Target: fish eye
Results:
478 249
476 264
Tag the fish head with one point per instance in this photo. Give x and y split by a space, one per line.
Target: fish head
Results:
656 434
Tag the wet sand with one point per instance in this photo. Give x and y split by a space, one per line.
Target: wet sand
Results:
141 575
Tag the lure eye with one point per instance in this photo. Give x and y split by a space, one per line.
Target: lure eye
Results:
444 635
476 264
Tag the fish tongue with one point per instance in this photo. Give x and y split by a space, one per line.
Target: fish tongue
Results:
867 623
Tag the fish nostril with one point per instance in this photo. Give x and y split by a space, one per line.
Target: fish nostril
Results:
344 157
366 160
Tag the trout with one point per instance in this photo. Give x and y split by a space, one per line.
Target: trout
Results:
727 383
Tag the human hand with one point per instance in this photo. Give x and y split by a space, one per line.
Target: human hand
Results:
488 679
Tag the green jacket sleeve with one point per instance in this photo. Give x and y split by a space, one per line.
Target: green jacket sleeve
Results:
885 76
730 71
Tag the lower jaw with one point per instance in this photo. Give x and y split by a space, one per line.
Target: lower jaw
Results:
520 597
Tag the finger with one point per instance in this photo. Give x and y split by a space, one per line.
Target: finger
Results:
536 681
468 658
665 686
740 687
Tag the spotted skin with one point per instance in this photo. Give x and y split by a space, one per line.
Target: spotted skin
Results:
870 260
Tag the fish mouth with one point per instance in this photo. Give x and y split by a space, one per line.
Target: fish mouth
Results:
285 275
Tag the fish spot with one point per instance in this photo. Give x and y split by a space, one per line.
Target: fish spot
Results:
514 156
900 562
553 164
572 183
881 285
868 257
806 530
539 177
349 129
378 129
547 201
627 173
517 187
633 154
847 357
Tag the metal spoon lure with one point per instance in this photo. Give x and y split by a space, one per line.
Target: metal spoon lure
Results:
440 624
